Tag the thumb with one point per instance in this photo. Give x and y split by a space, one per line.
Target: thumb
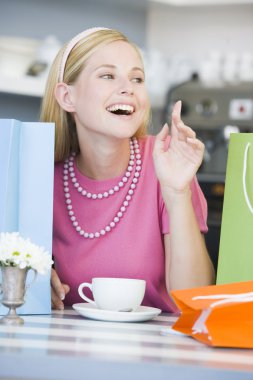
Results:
160 139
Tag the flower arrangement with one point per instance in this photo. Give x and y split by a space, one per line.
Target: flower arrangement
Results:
15 251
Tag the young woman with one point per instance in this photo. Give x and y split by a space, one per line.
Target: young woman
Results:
126 204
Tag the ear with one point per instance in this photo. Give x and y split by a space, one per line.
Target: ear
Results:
63 96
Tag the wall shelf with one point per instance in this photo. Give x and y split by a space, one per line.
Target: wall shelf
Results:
28 86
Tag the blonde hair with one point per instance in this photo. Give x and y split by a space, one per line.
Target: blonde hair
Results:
66 140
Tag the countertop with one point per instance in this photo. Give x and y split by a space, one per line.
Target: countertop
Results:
67 346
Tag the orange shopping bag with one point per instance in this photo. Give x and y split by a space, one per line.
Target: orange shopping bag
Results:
218 315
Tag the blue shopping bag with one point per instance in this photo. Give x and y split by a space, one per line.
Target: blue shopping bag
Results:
26 196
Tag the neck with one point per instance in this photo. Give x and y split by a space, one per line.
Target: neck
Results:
104 161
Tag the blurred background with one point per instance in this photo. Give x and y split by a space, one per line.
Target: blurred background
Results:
199 51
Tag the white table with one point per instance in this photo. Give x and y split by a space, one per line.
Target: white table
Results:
67 346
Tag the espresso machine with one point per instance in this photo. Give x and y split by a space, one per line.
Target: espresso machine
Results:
214 112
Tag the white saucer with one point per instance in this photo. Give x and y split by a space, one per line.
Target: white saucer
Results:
143 313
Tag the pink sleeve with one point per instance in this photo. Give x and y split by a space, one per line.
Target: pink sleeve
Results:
199 206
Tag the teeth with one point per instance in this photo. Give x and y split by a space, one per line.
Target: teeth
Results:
122 107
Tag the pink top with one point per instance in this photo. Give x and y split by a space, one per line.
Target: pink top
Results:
134 248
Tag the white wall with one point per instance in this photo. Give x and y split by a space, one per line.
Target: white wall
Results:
195 30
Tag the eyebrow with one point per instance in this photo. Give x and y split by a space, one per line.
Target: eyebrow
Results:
114 67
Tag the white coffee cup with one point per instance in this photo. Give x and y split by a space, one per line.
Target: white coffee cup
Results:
118 294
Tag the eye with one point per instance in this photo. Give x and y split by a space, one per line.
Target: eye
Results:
138 80
106 76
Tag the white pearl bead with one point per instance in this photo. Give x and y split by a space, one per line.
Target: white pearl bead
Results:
112 224
97 234
91 235
107 228
94 196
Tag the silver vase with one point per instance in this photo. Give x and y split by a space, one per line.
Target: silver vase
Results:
13 289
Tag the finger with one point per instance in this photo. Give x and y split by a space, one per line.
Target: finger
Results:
56 302
176 119
176 112
57 285
160 140
66 288
186 131
195 143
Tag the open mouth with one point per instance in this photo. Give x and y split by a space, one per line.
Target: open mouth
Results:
121 109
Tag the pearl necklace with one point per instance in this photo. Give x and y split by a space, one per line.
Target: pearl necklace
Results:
68 171
112 191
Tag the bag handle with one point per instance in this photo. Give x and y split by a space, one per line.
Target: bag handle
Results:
244 178
200 324
222 296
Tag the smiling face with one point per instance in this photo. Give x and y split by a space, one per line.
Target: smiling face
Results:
110 95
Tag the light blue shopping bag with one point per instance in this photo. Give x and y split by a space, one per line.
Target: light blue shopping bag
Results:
26 196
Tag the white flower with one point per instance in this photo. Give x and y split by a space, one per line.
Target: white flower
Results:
16 251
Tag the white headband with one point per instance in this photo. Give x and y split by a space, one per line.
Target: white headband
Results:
70 46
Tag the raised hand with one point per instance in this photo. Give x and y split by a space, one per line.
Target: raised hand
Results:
177 164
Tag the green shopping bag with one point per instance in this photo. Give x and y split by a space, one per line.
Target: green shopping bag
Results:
235 261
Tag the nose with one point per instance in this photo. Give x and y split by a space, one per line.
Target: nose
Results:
126 87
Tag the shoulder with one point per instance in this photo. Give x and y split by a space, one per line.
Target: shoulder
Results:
147 143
